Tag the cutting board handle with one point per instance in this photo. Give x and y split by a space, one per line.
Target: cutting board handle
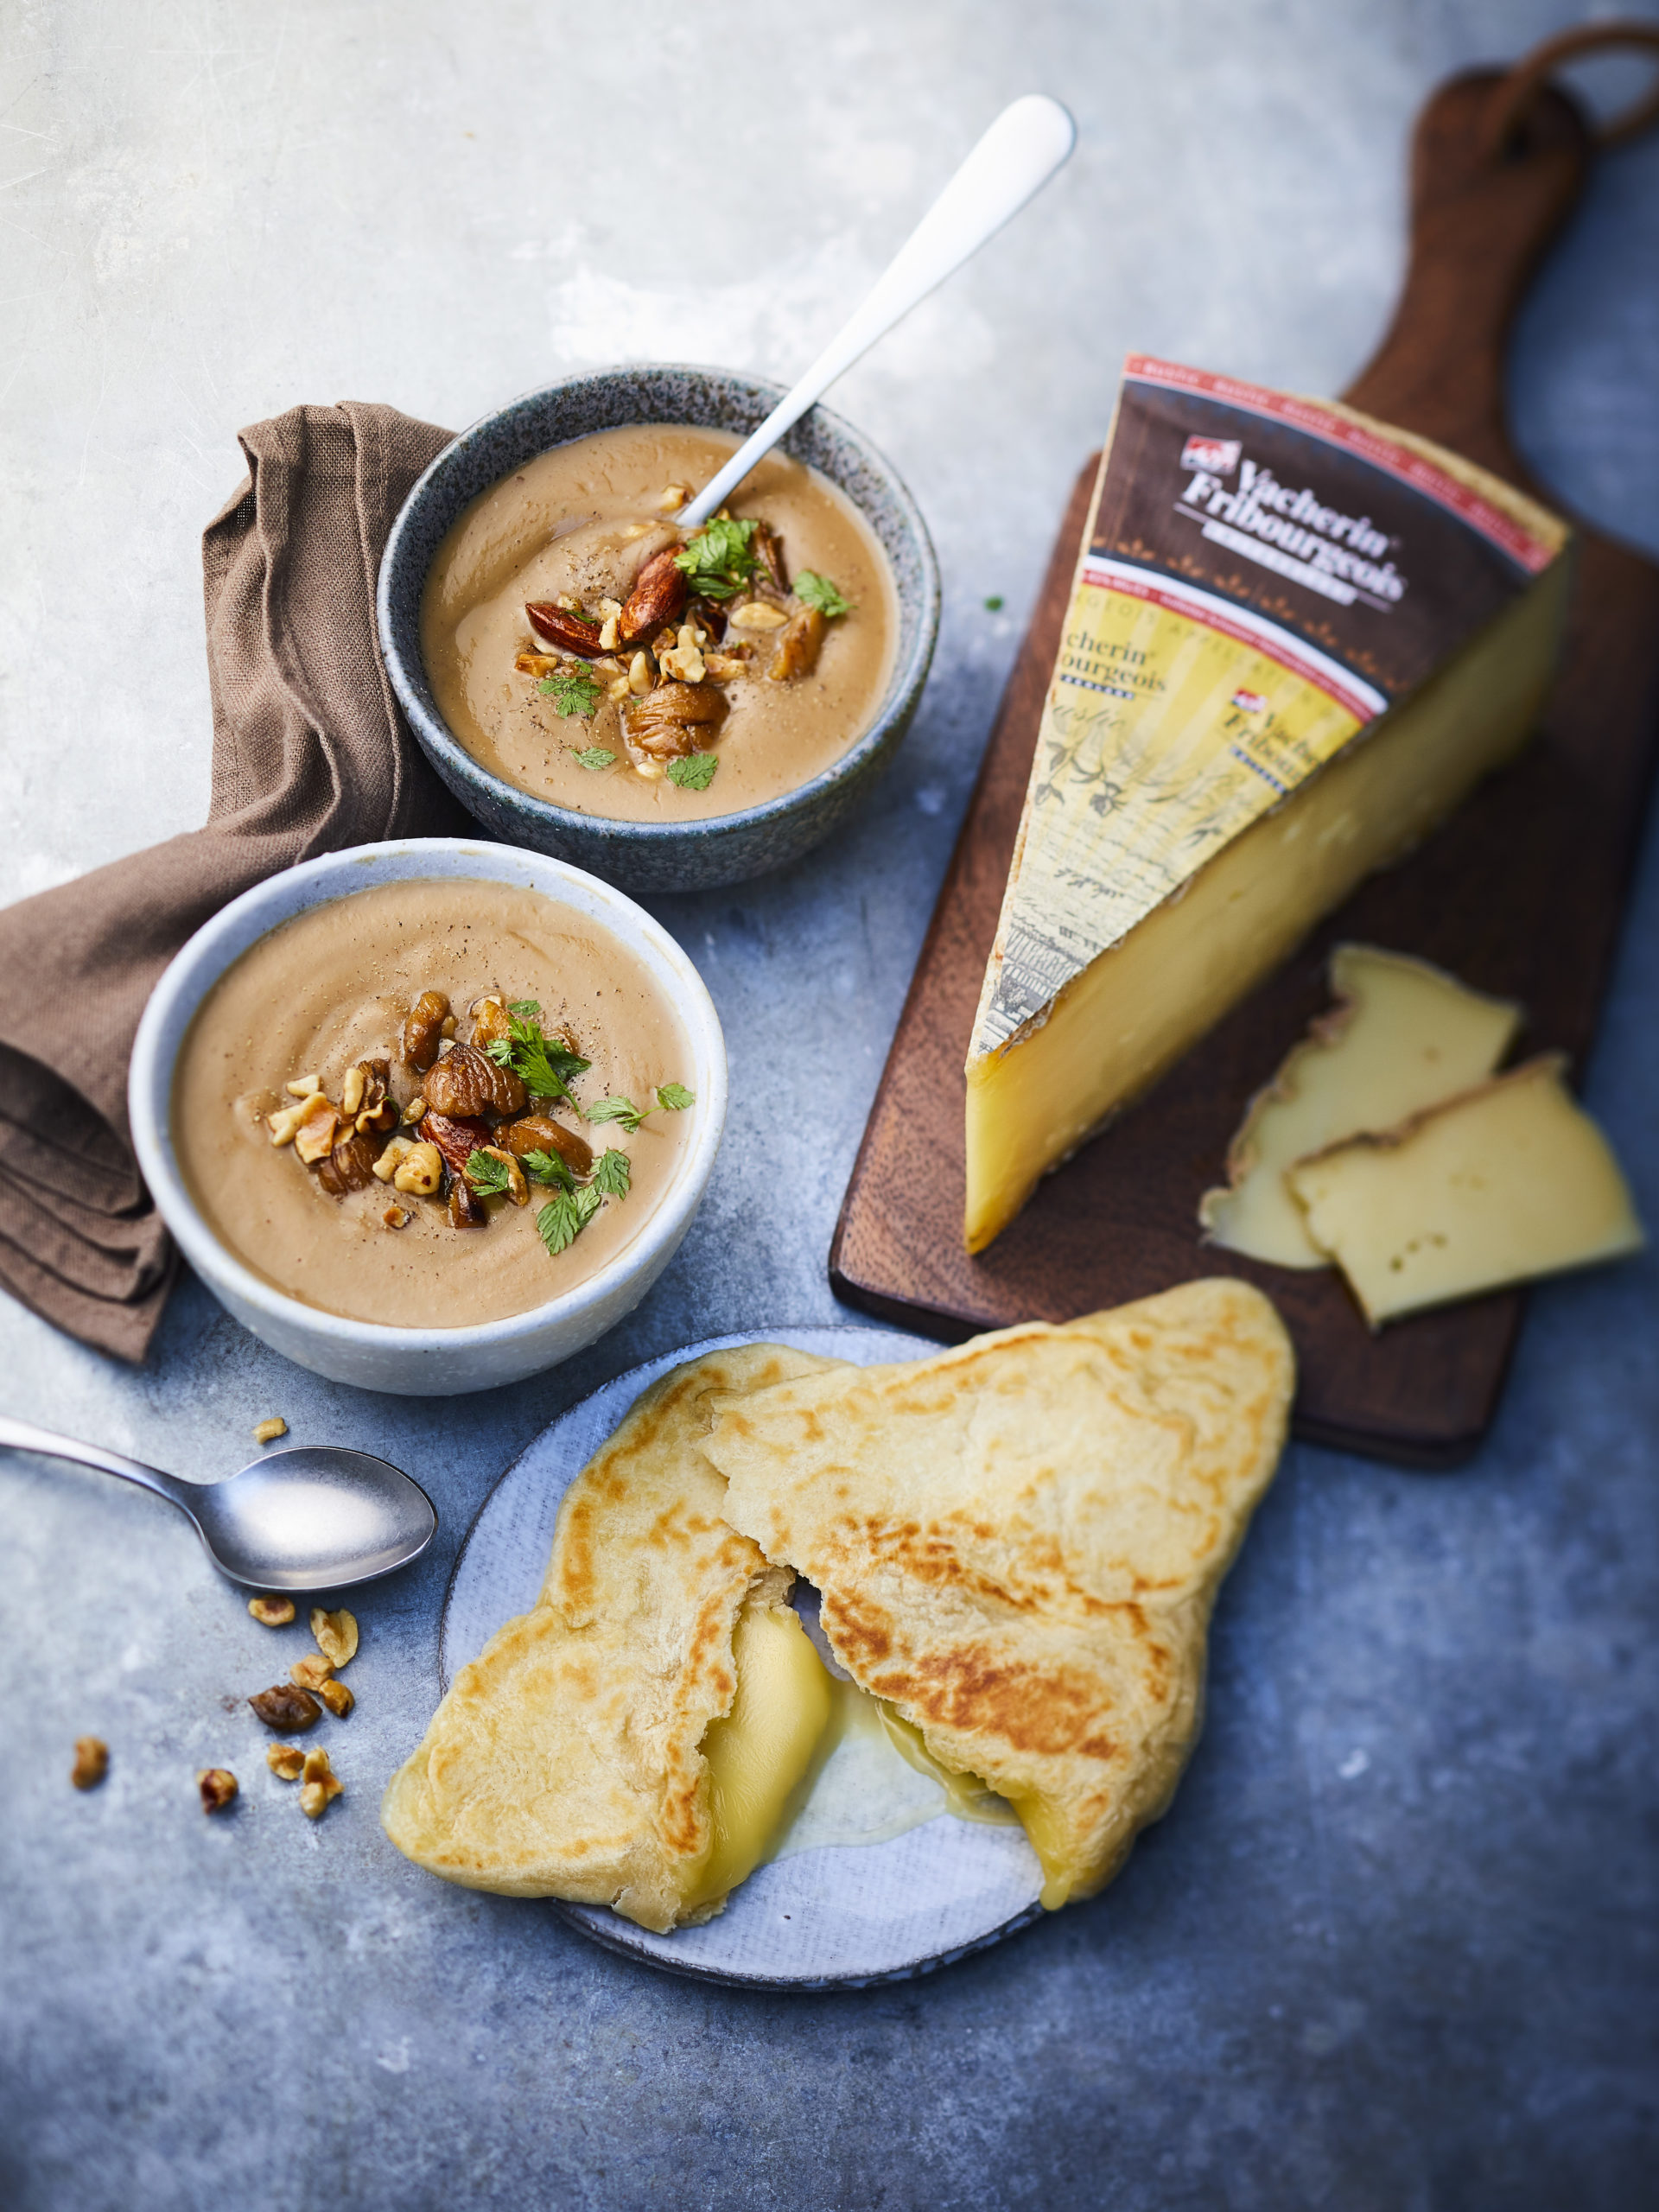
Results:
1482 217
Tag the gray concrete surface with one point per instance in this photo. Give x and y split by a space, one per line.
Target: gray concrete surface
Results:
1394 1948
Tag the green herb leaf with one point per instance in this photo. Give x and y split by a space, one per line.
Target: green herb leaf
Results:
814 591
544 1065
993 604
487 1178
617 1109
695 772
574 691
675 1096
614 1174
526 1009
547 1167
718 559
596 756
558 1224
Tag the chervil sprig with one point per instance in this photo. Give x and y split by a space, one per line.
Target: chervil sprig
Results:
671 1098
545 1066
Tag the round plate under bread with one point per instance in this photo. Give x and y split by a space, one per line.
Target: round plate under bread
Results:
837 1917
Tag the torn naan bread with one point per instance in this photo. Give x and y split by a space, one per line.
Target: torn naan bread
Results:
564 1761
1018 1544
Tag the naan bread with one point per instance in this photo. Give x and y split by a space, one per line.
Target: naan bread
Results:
564 1761
1018 1544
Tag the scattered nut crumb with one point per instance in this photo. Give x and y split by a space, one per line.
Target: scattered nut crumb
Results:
310 1671
92 1762
319 1786
271 1613
397 1217
267 1432
336 1635
217 1787
287 1707
285 1761
338 1699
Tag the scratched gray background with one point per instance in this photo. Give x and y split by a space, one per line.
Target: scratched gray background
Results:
1394 1947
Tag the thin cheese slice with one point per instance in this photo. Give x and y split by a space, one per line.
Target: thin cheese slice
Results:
1403 1036
1511 1180
1297 638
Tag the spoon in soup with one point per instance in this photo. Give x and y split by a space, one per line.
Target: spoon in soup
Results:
1011 164
313 1517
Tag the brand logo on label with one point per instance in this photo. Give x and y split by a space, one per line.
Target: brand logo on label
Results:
1218 455
1251 702
1342 557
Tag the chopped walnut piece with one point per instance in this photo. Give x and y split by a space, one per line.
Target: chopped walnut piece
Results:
217 1787
285 1761
336 1635
319 1129
757 614
267 1432
351 1091
724 666
303 1085
537 665
415 1111
287 1708
284 1123
639 677
271 1613
799 647
420 1171
397 1217
422 1028
674 497
310 1671
391 1158
92 1762
338 1699
319 1785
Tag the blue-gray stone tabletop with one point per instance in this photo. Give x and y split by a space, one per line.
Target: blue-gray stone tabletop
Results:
1393 1947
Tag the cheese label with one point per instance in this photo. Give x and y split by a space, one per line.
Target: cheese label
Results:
1261 577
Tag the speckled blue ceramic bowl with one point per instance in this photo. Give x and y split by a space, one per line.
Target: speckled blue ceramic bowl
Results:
653 855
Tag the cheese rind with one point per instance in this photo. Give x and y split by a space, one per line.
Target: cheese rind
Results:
1403 1036
1510 1180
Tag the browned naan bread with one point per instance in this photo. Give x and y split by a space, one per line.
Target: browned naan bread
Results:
1019 1542
564 1761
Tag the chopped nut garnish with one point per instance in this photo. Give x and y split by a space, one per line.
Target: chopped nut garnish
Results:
397 1217
285 1761
537 665
352 1090
570 605
271 1613
607 633
286 1707
419 1172
319 1129
217 1787
637 529
757 614
283 1124
336 1635
92 1762
422 1026
682 664
674 498
416 1110
723 666
618 688
338 1699
449 1025
320 1785
303 1085
799 647
267 1432
311 1671
391 1158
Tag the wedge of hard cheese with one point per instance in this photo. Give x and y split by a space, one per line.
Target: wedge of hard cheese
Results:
1296 638
1510 1180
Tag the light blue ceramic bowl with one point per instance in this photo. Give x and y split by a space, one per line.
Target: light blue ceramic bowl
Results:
658 856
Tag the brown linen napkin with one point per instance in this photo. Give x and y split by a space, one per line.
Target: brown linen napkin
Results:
309 754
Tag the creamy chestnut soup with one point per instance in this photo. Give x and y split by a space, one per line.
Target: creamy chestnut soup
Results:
582 646
432 1103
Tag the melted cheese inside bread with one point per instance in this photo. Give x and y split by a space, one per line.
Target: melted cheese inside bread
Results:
761 1752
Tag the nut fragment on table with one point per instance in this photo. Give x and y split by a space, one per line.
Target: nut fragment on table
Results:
267 1432
338 1699
218 1787
272 1613
311 1670
285 1761
336 1635
320 1785
286 1707
92 1762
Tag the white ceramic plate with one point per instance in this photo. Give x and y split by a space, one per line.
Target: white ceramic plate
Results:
825 1917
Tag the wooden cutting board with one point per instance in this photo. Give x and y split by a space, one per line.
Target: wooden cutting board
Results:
1519 895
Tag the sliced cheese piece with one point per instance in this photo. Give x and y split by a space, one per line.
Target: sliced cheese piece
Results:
1297 638
761 1752
1510 1180
1403 1036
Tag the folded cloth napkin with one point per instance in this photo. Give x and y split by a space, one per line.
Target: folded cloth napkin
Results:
309 754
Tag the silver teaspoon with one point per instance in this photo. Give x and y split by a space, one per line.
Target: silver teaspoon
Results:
312 1517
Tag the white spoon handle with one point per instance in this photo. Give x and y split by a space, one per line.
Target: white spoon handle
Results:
1014 159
